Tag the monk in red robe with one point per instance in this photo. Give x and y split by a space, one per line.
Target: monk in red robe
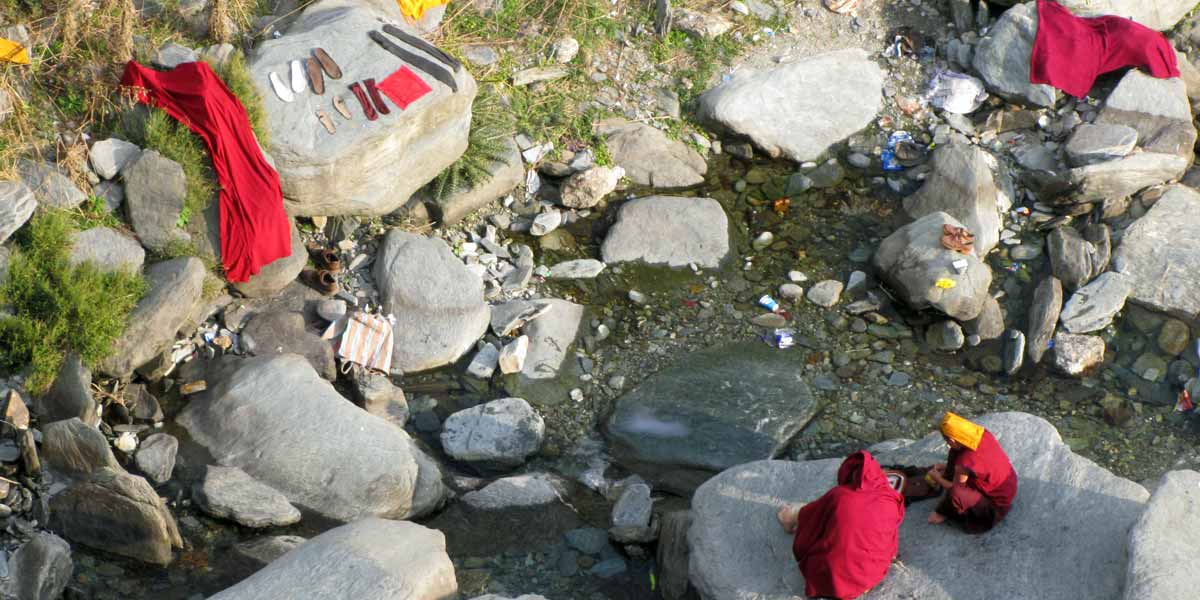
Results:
846 539
979 479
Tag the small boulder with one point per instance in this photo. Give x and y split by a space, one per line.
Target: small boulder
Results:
75 449
229 493
946 336
1092 143
631 516
503 432
107 249
1002 57
70 396
16 206
41 568
1158 109
1168 528
1093 306
961 185
587 189
175 288
649 157
382 398
1071 257
1075 354
109 157
825 293
172 55
533 489
155 190
1160 255
50 185
119 513
155 457
1173 337
281 332
670 231
1043 317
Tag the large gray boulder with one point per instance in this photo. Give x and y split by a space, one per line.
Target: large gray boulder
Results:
1155 14
713 410
283 332
1157 108
116 512
174 288
798 110
505 176
16 206
50 184
1002 57
1093 306
739 551
438 303
371 559
1164 540
367 168
1122 177
40 569
503 432
76 449
277 420
649 157
1160 255
669 230
912 261
229 493
155 190
107 249
275 275
961 185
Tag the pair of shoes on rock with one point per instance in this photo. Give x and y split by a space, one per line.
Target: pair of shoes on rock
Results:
322 278
958 239
314 66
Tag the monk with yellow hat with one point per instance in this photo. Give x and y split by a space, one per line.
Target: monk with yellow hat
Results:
981 485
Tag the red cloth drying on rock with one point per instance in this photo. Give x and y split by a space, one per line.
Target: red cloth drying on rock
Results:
404 87
254 228
846 540
1070 52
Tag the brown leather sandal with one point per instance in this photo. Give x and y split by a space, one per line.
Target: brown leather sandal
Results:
341 107
320 280
326 122
314 76
331 68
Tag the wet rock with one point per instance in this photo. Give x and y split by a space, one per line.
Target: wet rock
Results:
483 364
1158 109
506 175
912 260
821 101
551 339
40 568
371 559
1014 351
109 157
989 325
1043 316
1071 257
107 249
770 320
670 231
1167 528
50 185
509 317
791 291
1160 254
631 516
673 554
712 410
75 449
1150 367
700 24
174 289
382 398
437 301
591 541
156 457
1123 176
320 438
1100 236
262 551
533 489
1173 337
584 268
825 293
229 493
1097 143
119 513
341 175
649 157
155 190
946 336
1002 57
502 432
827 175
1093 306
281 332
1075 354
738 550
587 189
16 206
513 355
70 396
961 185
277 274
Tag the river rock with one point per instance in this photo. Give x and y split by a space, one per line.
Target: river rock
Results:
631 516
1071 257
711 410
277 274
738 550
1014 351
50 184
912 260
156 457
1096 143
371 559
483 364
551 340
1173 337
325 454
961 185
174 289
1158 109
74 449
989 325
533 489
16 206
172 55
583 268
699 24
1002 57
283 332
107 249
438 303
1093 306
109 157
587 189
1124 176
382 398
229 493
506 175
1167 529
946 336
669 230
1160 255
155 190
1074 354
1100 236
363 170
649 157
70 396
1043 316
503 432
262 551
40 569
798 110
116 512
825 293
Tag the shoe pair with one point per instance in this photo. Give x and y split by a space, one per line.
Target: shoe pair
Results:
322 278
320 61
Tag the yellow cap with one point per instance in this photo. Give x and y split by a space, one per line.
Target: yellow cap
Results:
962 431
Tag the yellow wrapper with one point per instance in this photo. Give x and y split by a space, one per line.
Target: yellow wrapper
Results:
945 284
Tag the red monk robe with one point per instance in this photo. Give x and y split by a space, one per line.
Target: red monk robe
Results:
846 539
986 497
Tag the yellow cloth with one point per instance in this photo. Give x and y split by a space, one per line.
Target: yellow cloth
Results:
13 52
415 9
962 431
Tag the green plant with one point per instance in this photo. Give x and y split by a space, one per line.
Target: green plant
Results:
487 144
237 77
59 308
93 212
173 140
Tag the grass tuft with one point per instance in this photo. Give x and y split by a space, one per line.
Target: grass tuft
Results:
487 144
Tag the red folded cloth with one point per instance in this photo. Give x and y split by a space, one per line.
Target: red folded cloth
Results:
254 228
1070 52
404 87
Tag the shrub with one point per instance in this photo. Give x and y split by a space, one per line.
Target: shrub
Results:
487 143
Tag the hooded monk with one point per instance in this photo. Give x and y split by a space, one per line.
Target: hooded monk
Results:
982 483
846 539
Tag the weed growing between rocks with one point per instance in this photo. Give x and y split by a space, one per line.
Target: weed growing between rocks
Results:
94 212
59 307
491 127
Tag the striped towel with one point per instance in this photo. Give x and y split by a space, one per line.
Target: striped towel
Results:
367 340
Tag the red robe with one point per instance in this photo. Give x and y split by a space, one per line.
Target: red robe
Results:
988 471
846 540
1070 52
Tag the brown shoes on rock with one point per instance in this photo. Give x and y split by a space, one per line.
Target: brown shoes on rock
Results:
958 239
322 278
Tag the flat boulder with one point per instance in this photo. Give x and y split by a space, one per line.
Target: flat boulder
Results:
914 263
549 357
109 157
504 176
714 409
1093 306
370 559
649 157
285 332
107 249
116 512
798 110
1122 177
1158 109
229 493
669 231
50 184
518 491
276 419
175 287
738 550
1043 317
1096 143
438 303
16 206
1155 14
1160 255
961 185
41 568
366 168
503 432
1167 532
1002 57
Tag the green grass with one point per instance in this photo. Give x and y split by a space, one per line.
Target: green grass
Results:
93 212
59 308
487 144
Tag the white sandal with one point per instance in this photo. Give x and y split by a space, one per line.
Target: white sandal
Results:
298 80
281 90
842 7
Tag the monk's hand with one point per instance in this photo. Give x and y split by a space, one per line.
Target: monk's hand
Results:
936 474
787 518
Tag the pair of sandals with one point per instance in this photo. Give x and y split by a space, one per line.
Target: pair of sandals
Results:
958 239
318 66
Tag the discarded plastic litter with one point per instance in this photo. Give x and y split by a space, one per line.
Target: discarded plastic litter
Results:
784 338
945 284
959 265
769 303
888 157
955 92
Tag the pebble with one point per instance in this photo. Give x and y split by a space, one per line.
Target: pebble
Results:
546 222
898 379
797 277
1025 252
616 382
637 297
825 293
763 241
791 291
770 320
859 160
331 310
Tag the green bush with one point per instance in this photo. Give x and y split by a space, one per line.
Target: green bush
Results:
58 307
